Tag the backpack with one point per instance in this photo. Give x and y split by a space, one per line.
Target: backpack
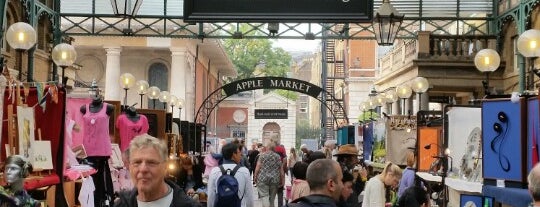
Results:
227 189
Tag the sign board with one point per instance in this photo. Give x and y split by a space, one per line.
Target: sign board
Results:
326 11
272 83
271 114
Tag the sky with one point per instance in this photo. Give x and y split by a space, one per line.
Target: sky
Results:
295 45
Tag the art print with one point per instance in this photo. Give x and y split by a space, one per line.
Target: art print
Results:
26 126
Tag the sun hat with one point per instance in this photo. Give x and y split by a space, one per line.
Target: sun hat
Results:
348 149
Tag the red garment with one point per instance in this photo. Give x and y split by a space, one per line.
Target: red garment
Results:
129 129
280 149
96 138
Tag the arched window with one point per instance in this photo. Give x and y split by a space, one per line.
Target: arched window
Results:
158 75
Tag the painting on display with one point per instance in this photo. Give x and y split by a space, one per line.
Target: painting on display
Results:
379 141
367 131
41 158
400 138
503 135
465 129
26 126
533 127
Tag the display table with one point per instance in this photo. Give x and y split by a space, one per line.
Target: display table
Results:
457 187
510 196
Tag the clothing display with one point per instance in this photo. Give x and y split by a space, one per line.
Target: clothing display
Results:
130 128
96 140
86 194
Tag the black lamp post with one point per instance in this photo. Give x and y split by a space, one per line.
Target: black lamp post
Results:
386 23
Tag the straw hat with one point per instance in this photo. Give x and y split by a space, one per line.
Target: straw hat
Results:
348 149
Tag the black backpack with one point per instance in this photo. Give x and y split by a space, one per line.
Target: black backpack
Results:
227 189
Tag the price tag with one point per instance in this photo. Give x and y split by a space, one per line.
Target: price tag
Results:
500 183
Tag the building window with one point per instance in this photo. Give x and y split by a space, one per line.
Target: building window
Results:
303 107
516 54
158 75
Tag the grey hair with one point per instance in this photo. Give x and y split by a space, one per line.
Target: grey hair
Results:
145 140
534 182
319 171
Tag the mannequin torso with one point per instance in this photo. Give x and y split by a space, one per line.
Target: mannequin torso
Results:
96 105
132 115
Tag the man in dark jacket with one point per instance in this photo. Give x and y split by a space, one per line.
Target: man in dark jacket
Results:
325 182
148 168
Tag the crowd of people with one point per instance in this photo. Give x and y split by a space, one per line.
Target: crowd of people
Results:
318 178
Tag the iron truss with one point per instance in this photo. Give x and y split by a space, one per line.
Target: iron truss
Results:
164 19
174 27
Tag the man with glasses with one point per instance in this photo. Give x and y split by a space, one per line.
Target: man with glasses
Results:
147 167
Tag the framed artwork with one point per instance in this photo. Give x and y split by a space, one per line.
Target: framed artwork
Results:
428 136
42 155
26 126
156 122
112 120
464 135
533 127
367 131
470 200
400 138
504 141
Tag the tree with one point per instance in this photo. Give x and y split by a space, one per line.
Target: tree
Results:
249 55
306 131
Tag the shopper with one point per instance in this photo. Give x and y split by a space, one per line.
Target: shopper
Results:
534 184
148 168
407 180
232 154
375 190
268 175
347 157
293 158
347 189
324 177
300 186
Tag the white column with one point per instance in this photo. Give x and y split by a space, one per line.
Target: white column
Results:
178 77
112 74
190 88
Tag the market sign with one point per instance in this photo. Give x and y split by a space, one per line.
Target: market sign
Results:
317 11
272 83
271 114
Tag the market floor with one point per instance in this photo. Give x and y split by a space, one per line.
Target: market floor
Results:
257 202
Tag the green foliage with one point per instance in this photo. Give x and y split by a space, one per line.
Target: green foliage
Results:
368 115
249 55
292 95
305 131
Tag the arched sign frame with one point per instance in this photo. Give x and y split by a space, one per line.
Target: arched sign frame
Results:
290 84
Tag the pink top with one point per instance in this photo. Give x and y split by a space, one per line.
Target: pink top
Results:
129 129
96 140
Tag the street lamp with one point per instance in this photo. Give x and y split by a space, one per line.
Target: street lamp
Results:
164 97
180 105
153 93
386 23
126 8
126 82
173 100
528 45
420 85
403 92
21 36
64 55
142 88
391 97
487 61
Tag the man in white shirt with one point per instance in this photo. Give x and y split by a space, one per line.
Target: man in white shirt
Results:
232 154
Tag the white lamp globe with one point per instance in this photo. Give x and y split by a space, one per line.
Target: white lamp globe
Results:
127 80
142 86
528 43
420 85
153 92
487 60
403 91
180 103
173 100
21 36
391 96
164 96
64 55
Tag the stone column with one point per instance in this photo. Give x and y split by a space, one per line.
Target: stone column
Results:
178 77
190 88
112 74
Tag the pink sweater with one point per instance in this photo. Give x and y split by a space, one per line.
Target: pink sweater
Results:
129 129
96 138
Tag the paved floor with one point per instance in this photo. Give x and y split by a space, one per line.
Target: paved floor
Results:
258 203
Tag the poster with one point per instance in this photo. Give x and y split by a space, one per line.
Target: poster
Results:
26 126
400 138
42 159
